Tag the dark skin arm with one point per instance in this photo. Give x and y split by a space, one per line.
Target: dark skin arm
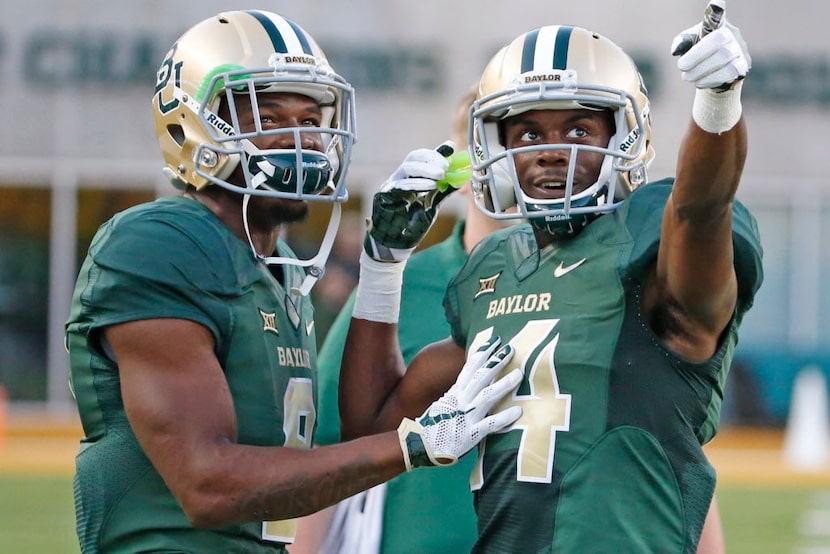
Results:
692 292
374 393
178 403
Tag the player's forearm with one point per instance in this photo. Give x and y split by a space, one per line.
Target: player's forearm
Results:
695 260
709 170
371 369
267 483
403 211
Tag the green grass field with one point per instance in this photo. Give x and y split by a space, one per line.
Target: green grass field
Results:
770 521
37 516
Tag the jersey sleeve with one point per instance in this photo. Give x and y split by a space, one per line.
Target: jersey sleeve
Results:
748 255
161 265
453 310
644 215
462 288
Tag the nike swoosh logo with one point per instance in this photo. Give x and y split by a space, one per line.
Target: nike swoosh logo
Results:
308 327
561 269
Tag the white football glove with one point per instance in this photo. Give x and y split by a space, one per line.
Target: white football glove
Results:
714 57
458 421
404 208
717 61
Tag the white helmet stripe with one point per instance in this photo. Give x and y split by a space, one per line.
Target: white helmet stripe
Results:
546 48
285 35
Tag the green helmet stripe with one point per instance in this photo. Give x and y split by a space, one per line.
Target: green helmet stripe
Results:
203 91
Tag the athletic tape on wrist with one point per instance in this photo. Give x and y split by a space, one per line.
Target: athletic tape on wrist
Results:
378 296
717 112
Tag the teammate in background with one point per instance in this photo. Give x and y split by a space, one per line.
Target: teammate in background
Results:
424 511
621 298
191 337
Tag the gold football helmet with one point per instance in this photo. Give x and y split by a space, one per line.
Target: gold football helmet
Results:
557 68
246 52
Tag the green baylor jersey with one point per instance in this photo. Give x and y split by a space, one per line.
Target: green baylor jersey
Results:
607 454
173 258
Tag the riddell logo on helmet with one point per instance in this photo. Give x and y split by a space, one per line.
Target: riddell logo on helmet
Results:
630 140
220 125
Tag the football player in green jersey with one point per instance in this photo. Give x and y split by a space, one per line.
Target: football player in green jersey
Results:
621 297
191 335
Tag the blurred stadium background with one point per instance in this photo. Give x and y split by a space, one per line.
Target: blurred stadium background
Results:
76 77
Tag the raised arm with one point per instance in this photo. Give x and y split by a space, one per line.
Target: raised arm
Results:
403 211
376 390
694 276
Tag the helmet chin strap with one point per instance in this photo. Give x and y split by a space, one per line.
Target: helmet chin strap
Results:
316 265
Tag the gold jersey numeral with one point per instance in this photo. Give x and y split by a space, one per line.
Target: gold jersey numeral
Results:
545 410
298 425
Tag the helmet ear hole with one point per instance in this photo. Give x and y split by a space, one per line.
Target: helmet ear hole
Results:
176 132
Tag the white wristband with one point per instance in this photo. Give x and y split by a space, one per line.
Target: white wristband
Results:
378 296
717 112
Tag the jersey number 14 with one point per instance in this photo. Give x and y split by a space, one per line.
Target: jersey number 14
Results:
545 410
